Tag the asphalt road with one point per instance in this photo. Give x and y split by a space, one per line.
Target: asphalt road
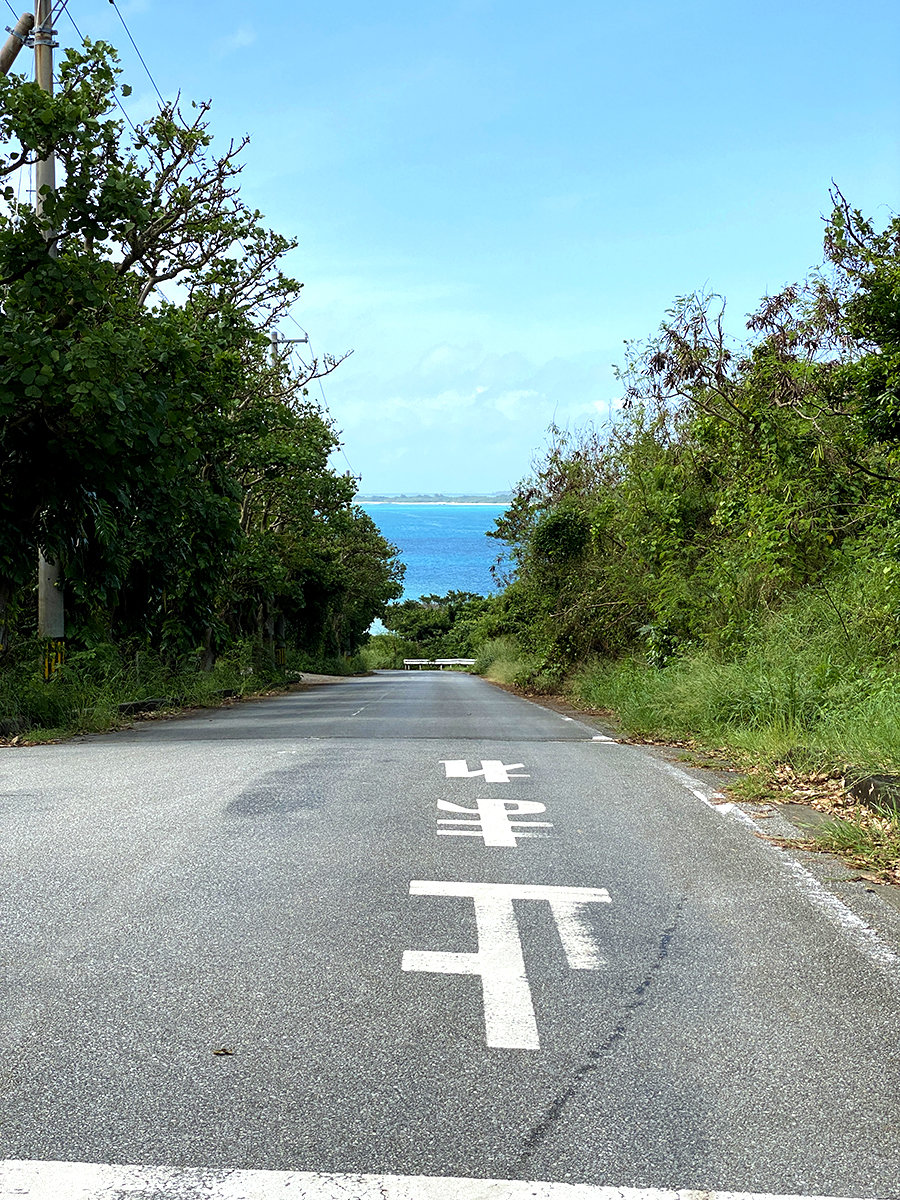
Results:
411 990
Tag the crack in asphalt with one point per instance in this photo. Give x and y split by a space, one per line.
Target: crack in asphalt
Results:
638 999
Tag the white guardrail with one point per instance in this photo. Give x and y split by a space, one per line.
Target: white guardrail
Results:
418 663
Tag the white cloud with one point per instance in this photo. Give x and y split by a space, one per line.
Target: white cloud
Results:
461 418
142 105
242 37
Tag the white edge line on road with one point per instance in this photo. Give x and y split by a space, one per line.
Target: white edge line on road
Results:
867 940
839 914
100 1181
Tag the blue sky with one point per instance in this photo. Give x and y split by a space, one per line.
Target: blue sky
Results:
491 196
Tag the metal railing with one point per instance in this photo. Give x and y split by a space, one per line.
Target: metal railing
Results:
418 663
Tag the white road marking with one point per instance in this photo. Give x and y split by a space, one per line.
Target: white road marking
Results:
865 938
598 737
492 820
712 799
687 781
577 939
508 1011
99 1181
492 769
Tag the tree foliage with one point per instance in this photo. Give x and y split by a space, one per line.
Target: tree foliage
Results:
739 473
442 626
178 473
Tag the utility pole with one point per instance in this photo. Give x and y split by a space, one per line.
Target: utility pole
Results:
9 52
51 608
18 37
273 623
276 340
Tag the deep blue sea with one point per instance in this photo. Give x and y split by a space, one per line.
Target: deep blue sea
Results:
443 545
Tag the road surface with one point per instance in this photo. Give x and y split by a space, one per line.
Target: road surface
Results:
411 936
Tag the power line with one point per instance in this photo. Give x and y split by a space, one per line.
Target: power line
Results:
137 52
155 88
24 173
63 8
291 317
53 16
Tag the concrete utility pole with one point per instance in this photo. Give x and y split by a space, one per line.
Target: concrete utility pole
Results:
9 52
276 340
18 37
273 624
51 608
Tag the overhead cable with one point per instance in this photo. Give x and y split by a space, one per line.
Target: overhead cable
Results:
137 52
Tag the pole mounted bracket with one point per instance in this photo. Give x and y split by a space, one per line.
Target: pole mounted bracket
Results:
25 38
41 35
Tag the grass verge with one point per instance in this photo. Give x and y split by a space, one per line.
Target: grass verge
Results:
797 730
85 694
811 699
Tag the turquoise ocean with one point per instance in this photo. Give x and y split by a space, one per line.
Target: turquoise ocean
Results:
444 546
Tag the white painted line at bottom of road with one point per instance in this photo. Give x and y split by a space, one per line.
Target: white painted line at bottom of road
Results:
686 781
99 1181
842 916
708 799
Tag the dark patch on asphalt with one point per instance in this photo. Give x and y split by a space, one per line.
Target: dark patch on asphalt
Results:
274 795
639 998
19 803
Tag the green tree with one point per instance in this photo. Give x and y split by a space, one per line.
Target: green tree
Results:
447 626
740 471
179 475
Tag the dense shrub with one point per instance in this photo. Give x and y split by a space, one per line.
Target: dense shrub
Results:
724 561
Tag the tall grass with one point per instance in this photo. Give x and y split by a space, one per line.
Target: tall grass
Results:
502 660
85 694
811 679
870 840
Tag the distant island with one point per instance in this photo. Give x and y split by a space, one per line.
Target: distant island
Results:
436 498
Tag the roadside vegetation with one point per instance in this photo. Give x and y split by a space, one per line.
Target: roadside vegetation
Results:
152 443
430 627
722 567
